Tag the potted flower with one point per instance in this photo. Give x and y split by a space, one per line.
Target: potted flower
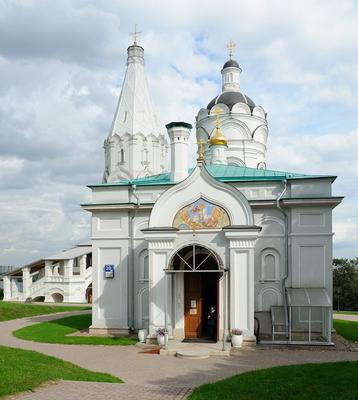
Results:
160 333
142 335
236 337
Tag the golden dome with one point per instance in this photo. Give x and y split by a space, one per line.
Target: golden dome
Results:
218 138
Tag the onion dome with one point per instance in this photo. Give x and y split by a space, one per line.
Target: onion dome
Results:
230 99
231 63
218 138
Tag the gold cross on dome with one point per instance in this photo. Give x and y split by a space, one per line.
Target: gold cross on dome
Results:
217 111
201 143
231 47
135 34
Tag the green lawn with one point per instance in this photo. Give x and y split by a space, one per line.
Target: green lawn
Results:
22 370
347 329
13 310
330 381
55 332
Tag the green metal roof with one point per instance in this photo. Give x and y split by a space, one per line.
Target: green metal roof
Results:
223 173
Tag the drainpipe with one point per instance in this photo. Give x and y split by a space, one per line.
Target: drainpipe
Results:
132 264
284 278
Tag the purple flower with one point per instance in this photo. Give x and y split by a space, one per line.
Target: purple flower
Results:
161 332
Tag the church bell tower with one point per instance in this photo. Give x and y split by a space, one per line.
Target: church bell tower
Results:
134 147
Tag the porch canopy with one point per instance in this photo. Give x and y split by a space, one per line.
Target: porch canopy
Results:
308 297
310 311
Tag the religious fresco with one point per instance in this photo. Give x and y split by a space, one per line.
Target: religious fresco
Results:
201 215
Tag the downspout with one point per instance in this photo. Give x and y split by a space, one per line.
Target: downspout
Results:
284 278
132 263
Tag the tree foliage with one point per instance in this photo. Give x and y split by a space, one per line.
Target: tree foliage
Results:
345 284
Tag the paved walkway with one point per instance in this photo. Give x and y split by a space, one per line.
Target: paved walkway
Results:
150 376
347 317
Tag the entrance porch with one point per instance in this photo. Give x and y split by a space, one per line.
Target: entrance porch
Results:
195 276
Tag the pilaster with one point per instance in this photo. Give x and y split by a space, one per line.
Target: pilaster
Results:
160 245
241 287
7 287
26 282
82 262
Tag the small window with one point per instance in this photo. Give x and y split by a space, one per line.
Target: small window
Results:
122 156
89 260
125 116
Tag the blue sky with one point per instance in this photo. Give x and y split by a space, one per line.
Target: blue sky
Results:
62 64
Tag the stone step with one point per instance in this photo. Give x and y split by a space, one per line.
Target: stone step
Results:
193 354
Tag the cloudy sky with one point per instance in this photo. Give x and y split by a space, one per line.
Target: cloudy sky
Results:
61 68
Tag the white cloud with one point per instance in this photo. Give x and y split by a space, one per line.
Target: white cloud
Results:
62 64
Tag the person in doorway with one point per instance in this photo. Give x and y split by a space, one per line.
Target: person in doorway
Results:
211 322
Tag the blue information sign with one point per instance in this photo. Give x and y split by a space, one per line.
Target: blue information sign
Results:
109 271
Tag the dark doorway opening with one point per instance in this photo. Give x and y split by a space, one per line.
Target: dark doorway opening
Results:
210 299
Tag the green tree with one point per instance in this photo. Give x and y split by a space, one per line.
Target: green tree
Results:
345 284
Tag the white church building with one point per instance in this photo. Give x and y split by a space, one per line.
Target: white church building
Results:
228 233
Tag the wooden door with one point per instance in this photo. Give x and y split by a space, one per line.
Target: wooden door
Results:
193 304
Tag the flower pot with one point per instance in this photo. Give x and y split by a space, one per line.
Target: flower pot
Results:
236 340
160 340
142 335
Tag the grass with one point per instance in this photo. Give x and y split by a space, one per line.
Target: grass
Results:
347 329
55 332
346 312
23 370
329 381
12 310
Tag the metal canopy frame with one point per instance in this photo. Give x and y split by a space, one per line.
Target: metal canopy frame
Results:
310 299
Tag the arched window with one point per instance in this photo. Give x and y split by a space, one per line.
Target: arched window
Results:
122 156
268 297
143 265
270 265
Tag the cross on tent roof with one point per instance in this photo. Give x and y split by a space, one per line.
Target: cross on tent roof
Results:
135 34
231 47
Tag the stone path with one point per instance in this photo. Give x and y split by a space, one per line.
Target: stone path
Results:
150 376
347 317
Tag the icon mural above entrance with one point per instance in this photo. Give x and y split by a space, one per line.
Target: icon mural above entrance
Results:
201 215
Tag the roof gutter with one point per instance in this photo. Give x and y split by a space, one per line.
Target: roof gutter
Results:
284 278
132 214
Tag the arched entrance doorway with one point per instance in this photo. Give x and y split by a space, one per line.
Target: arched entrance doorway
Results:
201 269
89 294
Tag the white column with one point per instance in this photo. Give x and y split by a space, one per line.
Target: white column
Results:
7 287
26 282
82 261
48 268
68 268
241 300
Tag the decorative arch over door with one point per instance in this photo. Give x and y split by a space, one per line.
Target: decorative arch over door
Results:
201 185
